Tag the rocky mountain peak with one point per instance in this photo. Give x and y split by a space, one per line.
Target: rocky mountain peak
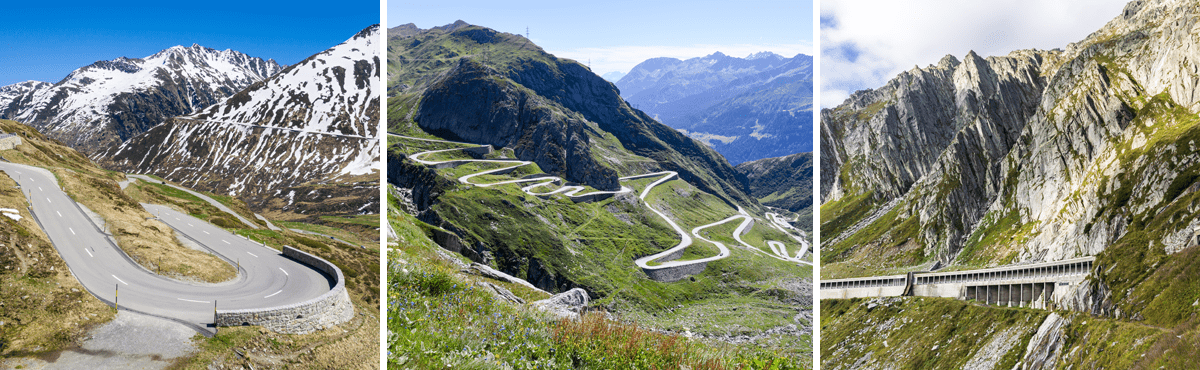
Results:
764 55
109 101
1032 136
280 142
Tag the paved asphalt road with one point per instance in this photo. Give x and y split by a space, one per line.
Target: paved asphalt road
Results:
203 197
685 240
268 278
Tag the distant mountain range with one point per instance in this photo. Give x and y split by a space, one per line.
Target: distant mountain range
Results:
102 105
745 108
613 76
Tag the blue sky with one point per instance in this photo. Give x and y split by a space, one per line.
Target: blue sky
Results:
47 40
616 35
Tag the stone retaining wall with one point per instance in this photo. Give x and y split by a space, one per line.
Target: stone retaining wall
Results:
327 310
674 273
9 141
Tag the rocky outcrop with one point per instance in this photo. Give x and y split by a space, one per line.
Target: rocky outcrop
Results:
1033 156
565 305
1046 345
470 105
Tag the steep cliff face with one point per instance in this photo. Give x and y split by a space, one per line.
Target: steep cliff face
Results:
302 142
1031 157
927 147
1063 147
102 105
511 117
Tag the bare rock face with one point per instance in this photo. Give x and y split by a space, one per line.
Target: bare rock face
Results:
471 105
1032 156
933 137
565 305
1046 345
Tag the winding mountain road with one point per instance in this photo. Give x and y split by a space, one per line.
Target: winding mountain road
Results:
573 192
203 197
266 277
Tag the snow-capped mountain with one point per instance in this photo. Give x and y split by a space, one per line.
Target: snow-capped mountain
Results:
328 92
303 141
101 105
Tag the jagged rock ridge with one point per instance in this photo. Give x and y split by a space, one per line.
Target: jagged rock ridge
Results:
1037 155
102 105
304 141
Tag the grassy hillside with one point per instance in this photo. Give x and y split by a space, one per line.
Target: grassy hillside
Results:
573 95
938 333
149 242
48 310
425 291
785 183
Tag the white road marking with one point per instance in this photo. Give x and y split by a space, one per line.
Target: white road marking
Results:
226 242
189 300
40 188
59 213
72 230
90 254
48 200
119 279
206 232
191 225
273 294
284 271
252 254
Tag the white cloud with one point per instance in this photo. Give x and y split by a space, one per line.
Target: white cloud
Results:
624 58
869 41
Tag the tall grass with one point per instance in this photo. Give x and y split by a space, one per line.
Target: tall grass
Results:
439 320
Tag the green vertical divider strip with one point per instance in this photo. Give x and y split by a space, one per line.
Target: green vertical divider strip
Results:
816 184
383 184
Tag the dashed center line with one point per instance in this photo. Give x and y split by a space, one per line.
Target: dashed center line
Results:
72 230
273 294
252 254
189 300
226 241
191 225
48 200
90 255
206 232
119 279
39 188
59 213
284 271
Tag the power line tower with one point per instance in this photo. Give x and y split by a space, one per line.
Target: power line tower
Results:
526 32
